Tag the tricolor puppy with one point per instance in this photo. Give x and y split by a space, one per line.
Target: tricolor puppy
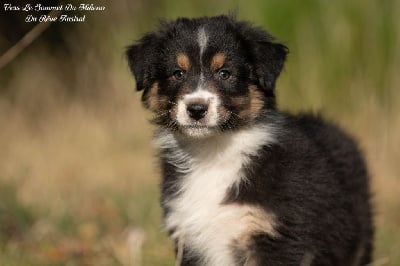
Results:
244 183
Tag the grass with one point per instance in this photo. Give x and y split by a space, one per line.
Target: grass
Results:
78 179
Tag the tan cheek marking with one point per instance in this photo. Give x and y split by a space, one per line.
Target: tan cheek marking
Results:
217 61
183 61
152 97
256 100
241 102
154 101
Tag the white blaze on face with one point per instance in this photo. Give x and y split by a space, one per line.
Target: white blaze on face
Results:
200 95
202 39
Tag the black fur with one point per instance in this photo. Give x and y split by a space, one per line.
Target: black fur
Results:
317 183
313 178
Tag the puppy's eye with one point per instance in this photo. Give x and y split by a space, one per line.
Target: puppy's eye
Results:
224 74
179 74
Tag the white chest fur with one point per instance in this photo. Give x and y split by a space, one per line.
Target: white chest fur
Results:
210 167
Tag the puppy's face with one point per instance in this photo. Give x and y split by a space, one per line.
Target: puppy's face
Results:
206 75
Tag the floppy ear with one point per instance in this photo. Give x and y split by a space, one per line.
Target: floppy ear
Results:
267 56
141 59
269 60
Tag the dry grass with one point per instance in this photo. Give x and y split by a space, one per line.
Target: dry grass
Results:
78 182
87 179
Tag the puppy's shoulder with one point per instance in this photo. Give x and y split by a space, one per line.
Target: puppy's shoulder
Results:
321 136
322 130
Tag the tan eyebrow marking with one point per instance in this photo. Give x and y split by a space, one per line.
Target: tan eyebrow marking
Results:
217 61
183 61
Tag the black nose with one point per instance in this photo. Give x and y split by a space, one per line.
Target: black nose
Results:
197 111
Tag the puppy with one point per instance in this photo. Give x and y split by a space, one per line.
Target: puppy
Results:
242 182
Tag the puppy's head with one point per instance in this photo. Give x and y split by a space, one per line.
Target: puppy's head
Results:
206 75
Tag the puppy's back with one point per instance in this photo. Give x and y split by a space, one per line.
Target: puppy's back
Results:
321 169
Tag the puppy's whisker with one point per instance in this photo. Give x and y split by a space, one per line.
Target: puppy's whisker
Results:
160 115
236 116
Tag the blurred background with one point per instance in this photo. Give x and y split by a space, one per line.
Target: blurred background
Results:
78 179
